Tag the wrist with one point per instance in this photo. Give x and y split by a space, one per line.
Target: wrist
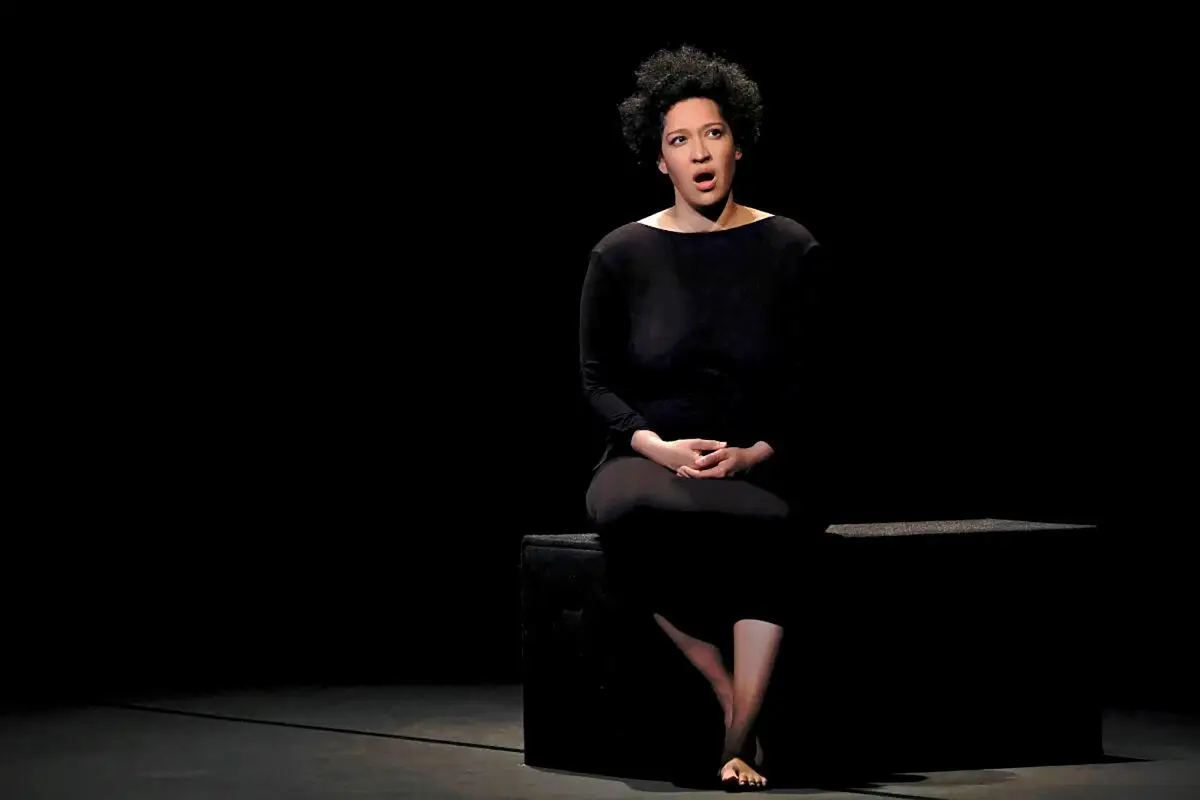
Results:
644 440
761 451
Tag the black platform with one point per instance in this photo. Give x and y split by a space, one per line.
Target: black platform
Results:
927 645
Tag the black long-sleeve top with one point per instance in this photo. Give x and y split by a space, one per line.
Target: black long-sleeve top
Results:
703 334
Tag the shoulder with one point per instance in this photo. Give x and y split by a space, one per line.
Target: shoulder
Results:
620 236
790 233
799 254
623 243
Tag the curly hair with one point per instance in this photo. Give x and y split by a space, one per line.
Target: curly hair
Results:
669 76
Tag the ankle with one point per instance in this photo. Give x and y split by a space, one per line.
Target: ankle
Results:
743 746
727 756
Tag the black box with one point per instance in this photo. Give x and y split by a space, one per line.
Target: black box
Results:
920 645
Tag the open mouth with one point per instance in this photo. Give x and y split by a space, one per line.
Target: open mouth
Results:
704 177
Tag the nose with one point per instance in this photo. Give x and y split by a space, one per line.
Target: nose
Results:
700 153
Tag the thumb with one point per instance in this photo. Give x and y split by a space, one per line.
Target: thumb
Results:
709 444
712 458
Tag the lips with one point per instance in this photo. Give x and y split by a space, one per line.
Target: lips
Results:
705 180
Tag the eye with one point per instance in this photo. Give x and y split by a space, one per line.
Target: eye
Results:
676 139
717 131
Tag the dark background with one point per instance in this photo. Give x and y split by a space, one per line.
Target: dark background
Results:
321 367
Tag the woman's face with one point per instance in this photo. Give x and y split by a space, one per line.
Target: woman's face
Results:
698 151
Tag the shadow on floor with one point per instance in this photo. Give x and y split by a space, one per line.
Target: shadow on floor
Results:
873 783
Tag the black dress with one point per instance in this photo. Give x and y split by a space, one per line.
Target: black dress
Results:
706 335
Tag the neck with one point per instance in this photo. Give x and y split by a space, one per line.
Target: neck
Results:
687 217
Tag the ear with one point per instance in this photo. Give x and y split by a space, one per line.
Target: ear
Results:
662 165
737 154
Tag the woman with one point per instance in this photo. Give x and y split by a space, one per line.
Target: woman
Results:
692 346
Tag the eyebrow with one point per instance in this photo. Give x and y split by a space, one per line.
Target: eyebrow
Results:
702 127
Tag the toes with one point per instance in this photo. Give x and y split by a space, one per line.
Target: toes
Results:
736 776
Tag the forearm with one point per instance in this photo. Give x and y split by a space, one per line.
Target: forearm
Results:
619 418
645 441
777 436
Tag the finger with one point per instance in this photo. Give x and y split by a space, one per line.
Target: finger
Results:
712 458
712 444
688 472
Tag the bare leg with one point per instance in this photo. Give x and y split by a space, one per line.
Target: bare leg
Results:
706 657
755 645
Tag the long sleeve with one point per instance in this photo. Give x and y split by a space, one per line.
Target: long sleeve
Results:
603 330
798 425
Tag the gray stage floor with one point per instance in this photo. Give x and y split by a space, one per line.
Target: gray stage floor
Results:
458 741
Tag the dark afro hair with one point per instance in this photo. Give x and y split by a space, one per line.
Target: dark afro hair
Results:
669 76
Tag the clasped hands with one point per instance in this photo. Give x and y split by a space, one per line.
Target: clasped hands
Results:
722 462
703 458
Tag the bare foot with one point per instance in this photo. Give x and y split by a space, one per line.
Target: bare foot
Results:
726 698
738 773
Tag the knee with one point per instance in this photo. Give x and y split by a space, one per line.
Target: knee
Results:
610 512
626 493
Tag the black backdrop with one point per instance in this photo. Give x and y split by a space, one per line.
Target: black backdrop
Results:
340 357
